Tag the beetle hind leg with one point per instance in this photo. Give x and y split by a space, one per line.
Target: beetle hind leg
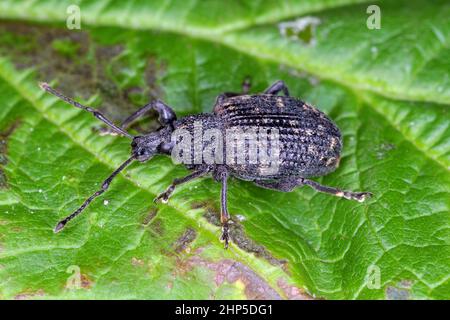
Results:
350 195
246 85
283 185
277 87
289 184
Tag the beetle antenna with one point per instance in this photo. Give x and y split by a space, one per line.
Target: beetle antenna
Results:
61 224
46 87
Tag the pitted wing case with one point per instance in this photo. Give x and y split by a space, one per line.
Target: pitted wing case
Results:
309 143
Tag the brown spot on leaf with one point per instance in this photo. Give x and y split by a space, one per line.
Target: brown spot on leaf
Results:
157 227
137 262
27 295
292 292
185 240
3 180
150 216
400 291
4 136
232 271
16 229
394 293
66 56
238 236
86 283
405 284
202 205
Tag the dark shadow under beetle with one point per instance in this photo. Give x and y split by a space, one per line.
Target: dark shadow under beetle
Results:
309 143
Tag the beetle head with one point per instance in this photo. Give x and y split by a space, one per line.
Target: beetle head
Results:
144 147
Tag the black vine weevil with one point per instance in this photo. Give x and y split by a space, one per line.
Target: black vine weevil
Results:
309 143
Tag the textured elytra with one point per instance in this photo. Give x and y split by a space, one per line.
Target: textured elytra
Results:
309 142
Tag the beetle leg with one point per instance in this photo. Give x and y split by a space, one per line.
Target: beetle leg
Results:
246 85
284 185
166 115
289 184
276 87
105 185
224 96
164 197
224 215
358 196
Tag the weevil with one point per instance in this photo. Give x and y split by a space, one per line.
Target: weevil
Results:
309 144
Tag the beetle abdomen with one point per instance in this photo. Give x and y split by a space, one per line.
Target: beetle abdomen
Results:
309 142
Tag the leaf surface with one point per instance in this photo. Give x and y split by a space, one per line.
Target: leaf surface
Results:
388 90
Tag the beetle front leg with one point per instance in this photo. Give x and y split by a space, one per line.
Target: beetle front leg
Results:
164 197
165 115
350 195
277 87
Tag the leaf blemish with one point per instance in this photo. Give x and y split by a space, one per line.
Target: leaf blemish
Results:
67 56
157 227
150 216
232 272
4 136
394 293
302 29
400 291
86 283
29 295
383 150
185 240
238 236
137 262
292 292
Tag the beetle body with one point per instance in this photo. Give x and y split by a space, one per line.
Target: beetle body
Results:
307 144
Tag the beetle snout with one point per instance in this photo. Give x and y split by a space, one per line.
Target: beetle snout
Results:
143 148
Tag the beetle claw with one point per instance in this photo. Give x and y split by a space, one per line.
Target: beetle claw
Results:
362 196
163 197
225 237
102 131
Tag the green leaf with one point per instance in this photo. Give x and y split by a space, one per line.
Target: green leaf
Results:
388 90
